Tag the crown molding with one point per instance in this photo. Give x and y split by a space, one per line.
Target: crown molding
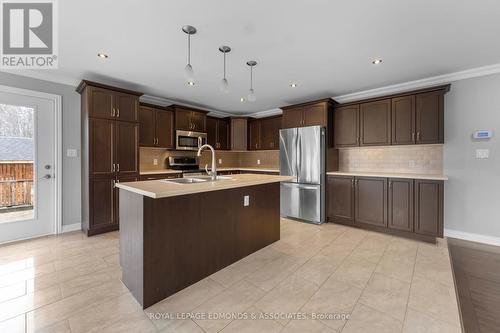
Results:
418 84
265 113
161 101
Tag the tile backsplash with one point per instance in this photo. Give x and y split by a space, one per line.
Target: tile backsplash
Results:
423 159
268 158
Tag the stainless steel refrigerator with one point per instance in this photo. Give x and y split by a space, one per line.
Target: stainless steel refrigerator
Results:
302 155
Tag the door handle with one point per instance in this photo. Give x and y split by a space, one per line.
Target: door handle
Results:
47 176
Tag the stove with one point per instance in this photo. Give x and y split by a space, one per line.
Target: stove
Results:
188 165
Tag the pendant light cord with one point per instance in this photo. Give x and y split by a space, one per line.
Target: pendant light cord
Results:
251 77
189 49
224 65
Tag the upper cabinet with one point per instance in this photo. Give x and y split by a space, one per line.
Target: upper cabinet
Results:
263 133
189 119
106 102
308 114
238 133
218 132
409 118
156 126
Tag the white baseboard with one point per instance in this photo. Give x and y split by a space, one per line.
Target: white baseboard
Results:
472 237
71 227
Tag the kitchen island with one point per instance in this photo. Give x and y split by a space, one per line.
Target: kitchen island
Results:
175 234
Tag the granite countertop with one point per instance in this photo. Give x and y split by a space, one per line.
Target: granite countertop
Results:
387 175
161 189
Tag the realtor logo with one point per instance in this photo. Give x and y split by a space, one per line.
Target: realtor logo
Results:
28 34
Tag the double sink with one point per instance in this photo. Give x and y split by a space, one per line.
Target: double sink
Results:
195 180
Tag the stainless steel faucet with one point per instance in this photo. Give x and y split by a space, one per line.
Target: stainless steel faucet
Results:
213 171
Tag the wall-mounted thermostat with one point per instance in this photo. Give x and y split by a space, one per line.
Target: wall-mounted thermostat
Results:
483 134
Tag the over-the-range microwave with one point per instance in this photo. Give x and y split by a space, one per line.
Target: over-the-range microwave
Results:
187 140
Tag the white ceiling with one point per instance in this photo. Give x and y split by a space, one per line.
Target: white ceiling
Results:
326 47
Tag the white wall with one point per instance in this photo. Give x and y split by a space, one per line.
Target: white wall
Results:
472 194
71 189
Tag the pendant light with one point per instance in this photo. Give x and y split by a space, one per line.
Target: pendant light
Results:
188 70
251 94
224 85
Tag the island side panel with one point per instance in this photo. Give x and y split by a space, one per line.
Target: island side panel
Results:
189 237
131 242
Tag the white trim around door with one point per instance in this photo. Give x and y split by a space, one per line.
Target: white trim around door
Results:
57 101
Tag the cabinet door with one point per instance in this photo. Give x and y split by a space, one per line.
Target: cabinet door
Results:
212 131
430 117
401 204
239 130
147 118
276 127
315 115
183 119
254 135
101 103
101 202
267 133
346 127
403 120
223 133
292 118
340 196
127 148
375 123
371 201
429 207
164 128
199 121
101 147
126 106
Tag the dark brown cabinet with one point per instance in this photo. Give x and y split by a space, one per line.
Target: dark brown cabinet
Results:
430 117
406 207
375 123
370 202
400 204
263 133
109 104
218 132
429 207
401 119
110 151
340 199
308 114
346 130
161 176
156 126
190 120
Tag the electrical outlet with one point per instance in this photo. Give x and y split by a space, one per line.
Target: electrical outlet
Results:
246 200
220 160
258 162
71 153
482 153
155 161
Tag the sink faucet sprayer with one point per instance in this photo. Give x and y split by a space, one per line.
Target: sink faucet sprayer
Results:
213 171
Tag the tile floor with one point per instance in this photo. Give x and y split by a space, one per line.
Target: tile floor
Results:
352 280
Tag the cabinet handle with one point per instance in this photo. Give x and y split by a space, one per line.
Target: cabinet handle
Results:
117 167
118 112
113 112
114 168
418 136
413 136
352 183
390 184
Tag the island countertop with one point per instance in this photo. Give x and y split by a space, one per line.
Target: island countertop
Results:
162 188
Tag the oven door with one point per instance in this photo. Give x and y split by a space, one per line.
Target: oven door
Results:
187 140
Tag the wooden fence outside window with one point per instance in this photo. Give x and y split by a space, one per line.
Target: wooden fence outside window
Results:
16 184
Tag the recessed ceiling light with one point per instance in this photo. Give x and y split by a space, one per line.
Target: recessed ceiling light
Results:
242 99
190 83
293 85
377 61
102 55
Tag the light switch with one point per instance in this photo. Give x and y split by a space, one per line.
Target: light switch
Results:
258 162
482 153
246 200
71 153
155 161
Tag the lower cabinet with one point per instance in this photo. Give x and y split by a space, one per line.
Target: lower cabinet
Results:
402 206
370 201
102 202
